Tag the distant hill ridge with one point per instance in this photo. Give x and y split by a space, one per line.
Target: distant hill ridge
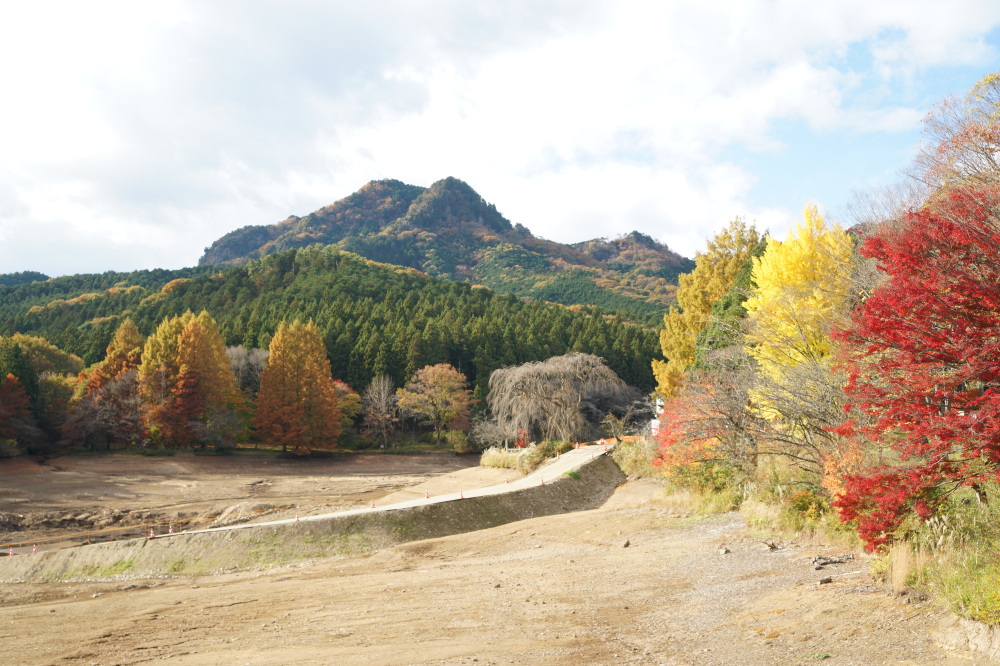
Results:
448 230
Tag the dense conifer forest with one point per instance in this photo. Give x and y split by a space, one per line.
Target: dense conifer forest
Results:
374 318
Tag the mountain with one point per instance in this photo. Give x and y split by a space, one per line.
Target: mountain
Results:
374 317
447 230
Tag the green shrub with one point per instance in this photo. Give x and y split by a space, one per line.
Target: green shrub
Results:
458 441
8 448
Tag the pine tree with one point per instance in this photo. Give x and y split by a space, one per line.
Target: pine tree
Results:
13 361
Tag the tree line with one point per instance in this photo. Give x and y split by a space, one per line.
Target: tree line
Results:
373 319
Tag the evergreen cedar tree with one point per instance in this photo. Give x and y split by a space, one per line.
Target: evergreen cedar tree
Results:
297 401
924 364
437 394
13 361
713 276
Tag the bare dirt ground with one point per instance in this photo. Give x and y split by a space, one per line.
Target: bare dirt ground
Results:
79 493
554 590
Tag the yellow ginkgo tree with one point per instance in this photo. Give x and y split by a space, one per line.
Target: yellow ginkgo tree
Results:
803 292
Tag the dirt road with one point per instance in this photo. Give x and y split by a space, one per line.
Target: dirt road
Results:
554 590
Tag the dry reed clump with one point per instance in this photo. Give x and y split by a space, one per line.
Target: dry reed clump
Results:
907 566
635 456
496 456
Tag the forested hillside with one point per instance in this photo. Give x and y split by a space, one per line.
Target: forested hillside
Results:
374 318
14 279
448 230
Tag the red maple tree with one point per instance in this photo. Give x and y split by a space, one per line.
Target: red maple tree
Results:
924 364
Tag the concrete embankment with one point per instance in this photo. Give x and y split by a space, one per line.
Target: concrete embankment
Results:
261 546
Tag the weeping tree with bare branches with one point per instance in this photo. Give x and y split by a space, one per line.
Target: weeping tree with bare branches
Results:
548 397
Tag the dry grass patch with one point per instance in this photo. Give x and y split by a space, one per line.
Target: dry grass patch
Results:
499 457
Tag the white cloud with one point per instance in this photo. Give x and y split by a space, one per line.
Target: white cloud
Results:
141 132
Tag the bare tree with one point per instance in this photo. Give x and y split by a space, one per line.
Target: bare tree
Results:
548 396
487 432
717 396
247 366
962 139
379 407
875 206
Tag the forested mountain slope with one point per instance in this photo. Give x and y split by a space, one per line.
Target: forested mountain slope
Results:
374 317
448 230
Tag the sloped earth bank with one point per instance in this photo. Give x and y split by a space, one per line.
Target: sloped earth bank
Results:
265 545
559 589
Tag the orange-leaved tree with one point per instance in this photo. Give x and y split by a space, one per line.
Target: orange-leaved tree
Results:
124 353
438 394
297 402
349 403
188 385
15 408
106 411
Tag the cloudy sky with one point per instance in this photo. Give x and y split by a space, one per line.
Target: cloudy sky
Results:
134 134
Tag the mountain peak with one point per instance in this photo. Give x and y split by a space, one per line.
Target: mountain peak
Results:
453 202
449 230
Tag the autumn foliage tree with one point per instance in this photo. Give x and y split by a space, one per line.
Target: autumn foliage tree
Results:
963 140
124 353
107 411
803 292
297 402
349 403
437 394
190 392
16 421
925 369
714 273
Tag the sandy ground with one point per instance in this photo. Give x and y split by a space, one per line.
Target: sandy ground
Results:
554 590
72 494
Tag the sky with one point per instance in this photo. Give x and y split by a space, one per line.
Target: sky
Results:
134 134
